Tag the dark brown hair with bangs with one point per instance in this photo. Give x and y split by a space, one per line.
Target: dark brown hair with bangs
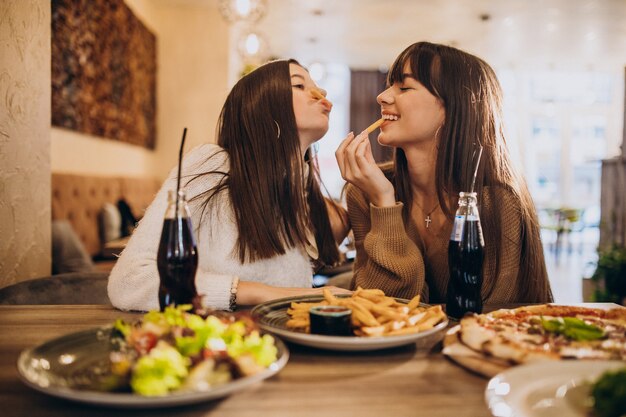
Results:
471 95
274 202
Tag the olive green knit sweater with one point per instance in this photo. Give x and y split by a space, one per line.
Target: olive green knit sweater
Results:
390 254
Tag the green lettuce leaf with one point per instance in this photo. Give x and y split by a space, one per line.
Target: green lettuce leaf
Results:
262 348
160 371
204 330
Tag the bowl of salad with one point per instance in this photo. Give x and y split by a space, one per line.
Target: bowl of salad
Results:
167 358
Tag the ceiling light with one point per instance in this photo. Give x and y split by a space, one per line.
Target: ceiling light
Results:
243 10
252 44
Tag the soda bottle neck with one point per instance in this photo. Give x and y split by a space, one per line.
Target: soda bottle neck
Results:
171 195
467 204
467 198
183 208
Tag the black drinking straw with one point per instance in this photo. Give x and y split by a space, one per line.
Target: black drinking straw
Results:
180 163
480 153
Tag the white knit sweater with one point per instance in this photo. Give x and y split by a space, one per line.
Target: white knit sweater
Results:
134 281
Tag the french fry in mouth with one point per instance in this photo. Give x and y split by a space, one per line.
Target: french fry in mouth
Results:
315 93
375 125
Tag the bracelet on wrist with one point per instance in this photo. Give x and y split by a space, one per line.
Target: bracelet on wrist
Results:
232 303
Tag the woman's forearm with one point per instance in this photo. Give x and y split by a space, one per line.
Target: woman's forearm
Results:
252 293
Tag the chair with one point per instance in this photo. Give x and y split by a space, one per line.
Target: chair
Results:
72 288
570 221
563 223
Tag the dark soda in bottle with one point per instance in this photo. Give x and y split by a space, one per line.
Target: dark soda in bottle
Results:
465 259
177 256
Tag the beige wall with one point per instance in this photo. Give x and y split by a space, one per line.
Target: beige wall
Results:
192 83
73 152
192 47
24 140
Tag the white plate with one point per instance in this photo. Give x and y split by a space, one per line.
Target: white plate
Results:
53 368
272 317
545 389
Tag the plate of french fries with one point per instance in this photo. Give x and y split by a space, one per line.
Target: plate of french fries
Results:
378 321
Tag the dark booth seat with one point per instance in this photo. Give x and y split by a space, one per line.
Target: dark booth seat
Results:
72 288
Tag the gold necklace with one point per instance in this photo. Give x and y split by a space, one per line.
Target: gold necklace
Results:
427 220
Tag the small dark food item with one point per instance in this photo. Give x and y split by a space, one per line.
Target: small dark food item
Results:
331 320
609 394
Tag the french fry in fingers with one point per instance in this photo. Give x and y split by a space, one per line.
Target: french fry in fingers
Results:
374 125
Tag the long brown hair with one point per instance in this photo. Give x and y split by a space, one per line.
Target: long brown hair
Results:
273 200
471 94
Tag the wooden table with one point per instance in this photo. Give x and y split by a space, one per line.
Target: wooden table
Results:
397 382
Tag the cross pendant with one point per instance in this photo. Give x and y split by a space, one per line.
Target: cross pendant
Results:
427 220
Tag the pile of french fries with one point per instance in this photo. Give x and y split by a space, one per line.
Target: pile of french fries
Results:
373 313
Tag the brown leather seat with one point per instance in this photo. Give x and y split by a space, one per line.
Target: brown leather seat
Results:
79 199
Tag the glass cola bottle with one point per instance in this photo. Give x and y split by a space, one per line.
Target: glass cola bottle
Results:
177 257
465 259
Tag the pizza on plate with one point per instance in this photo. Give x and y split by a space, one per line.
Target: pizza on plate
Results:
547 331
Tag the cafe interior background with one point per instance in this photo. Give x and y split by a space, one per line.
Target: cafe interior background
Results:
561 64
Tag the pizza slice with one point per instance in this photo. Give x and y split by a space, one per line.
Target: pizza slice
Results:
547 332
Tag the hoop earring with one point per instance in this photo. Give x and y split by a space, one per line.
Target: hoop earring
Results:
277 128
437 131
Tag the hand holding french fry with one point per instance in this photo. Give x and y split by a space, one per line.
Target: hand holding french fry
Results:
358 167
373 313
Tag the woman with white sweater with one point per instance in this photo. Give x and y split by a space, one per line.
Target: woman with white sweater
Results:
260 220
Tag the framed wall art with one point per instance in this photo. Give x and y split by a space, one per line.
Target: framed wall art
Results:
103 71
